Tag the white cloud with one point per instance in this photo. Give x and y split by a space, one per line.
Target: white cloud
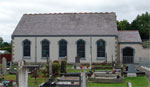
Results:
12 10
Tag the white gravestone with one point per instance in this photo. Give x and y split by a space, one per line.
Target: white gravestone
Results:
4 65
83 78
22 75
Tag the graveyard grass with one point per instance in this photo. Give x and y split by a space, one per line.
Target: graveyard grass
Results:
139 81
31 80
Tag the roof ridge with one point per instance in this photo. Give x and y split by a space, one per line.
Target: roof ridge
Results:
69 13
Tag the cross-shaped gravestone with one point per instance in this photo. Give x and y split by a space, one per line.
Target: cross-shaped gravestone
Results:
22 75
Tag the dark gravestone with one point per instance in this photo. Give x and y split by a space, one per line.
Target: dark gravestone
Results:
131 70
77 62
77 59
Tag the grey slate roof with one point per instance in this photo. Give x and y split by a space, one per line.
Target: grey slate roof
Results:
67 24
129 36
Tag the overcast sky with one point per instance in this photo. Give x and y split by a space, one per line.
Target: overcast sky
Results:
12 10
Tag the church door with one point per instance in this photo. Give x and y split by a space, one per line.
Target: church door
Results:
128 55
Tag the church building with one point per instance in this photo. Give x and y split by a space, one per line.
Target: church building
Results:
90 36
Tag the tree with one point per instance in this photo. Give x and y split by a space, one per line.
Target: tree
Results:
142 23
123 25
5 45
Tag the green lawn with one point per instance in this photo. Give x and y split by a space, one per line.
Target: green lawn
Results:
31 81
10 77
139 81
69 66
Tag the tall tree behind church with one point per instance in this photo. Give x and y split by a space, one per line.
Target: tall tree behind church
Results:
142 23
123 25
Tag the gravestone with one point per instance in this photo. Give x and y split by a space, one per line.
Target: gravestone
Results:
129 84
131 70
50 67
4 65
22 75
77 63
10 65
83 78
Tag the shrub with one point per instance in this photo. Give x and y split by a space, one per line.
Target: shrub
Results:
56 61
56 68
63 66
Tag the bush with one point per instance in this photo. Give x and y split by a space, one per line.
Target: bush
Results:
56 68
56 61
63 66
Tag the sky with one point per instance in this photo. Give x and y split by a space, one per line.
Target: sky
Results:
11 11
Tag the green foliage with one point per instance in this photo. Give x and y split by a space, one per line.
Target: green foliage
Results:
5 45
142 23
56 68
55 61
6 48
123 25
31 81
63 66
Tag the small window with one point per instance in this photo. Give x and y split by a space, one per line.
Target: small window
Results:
26 48
100 48
81 48
62 48
45 48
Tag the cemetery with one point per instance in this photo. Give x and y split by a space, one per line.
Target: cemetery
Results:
60 74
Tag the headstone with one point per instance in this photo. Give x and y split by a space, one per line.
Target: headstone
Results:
131 70
10 66
83 78
50 67
4 65
77 63
77 59
21 63
22 75
129 84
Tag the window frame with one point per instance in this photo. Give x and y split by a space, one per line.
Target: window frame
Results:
48 43
102 51
59 48
83 51
23 43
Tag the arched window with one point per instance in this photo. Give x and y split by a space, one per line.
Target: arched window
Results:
45 48
62 48
81 48
26 48
101 48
